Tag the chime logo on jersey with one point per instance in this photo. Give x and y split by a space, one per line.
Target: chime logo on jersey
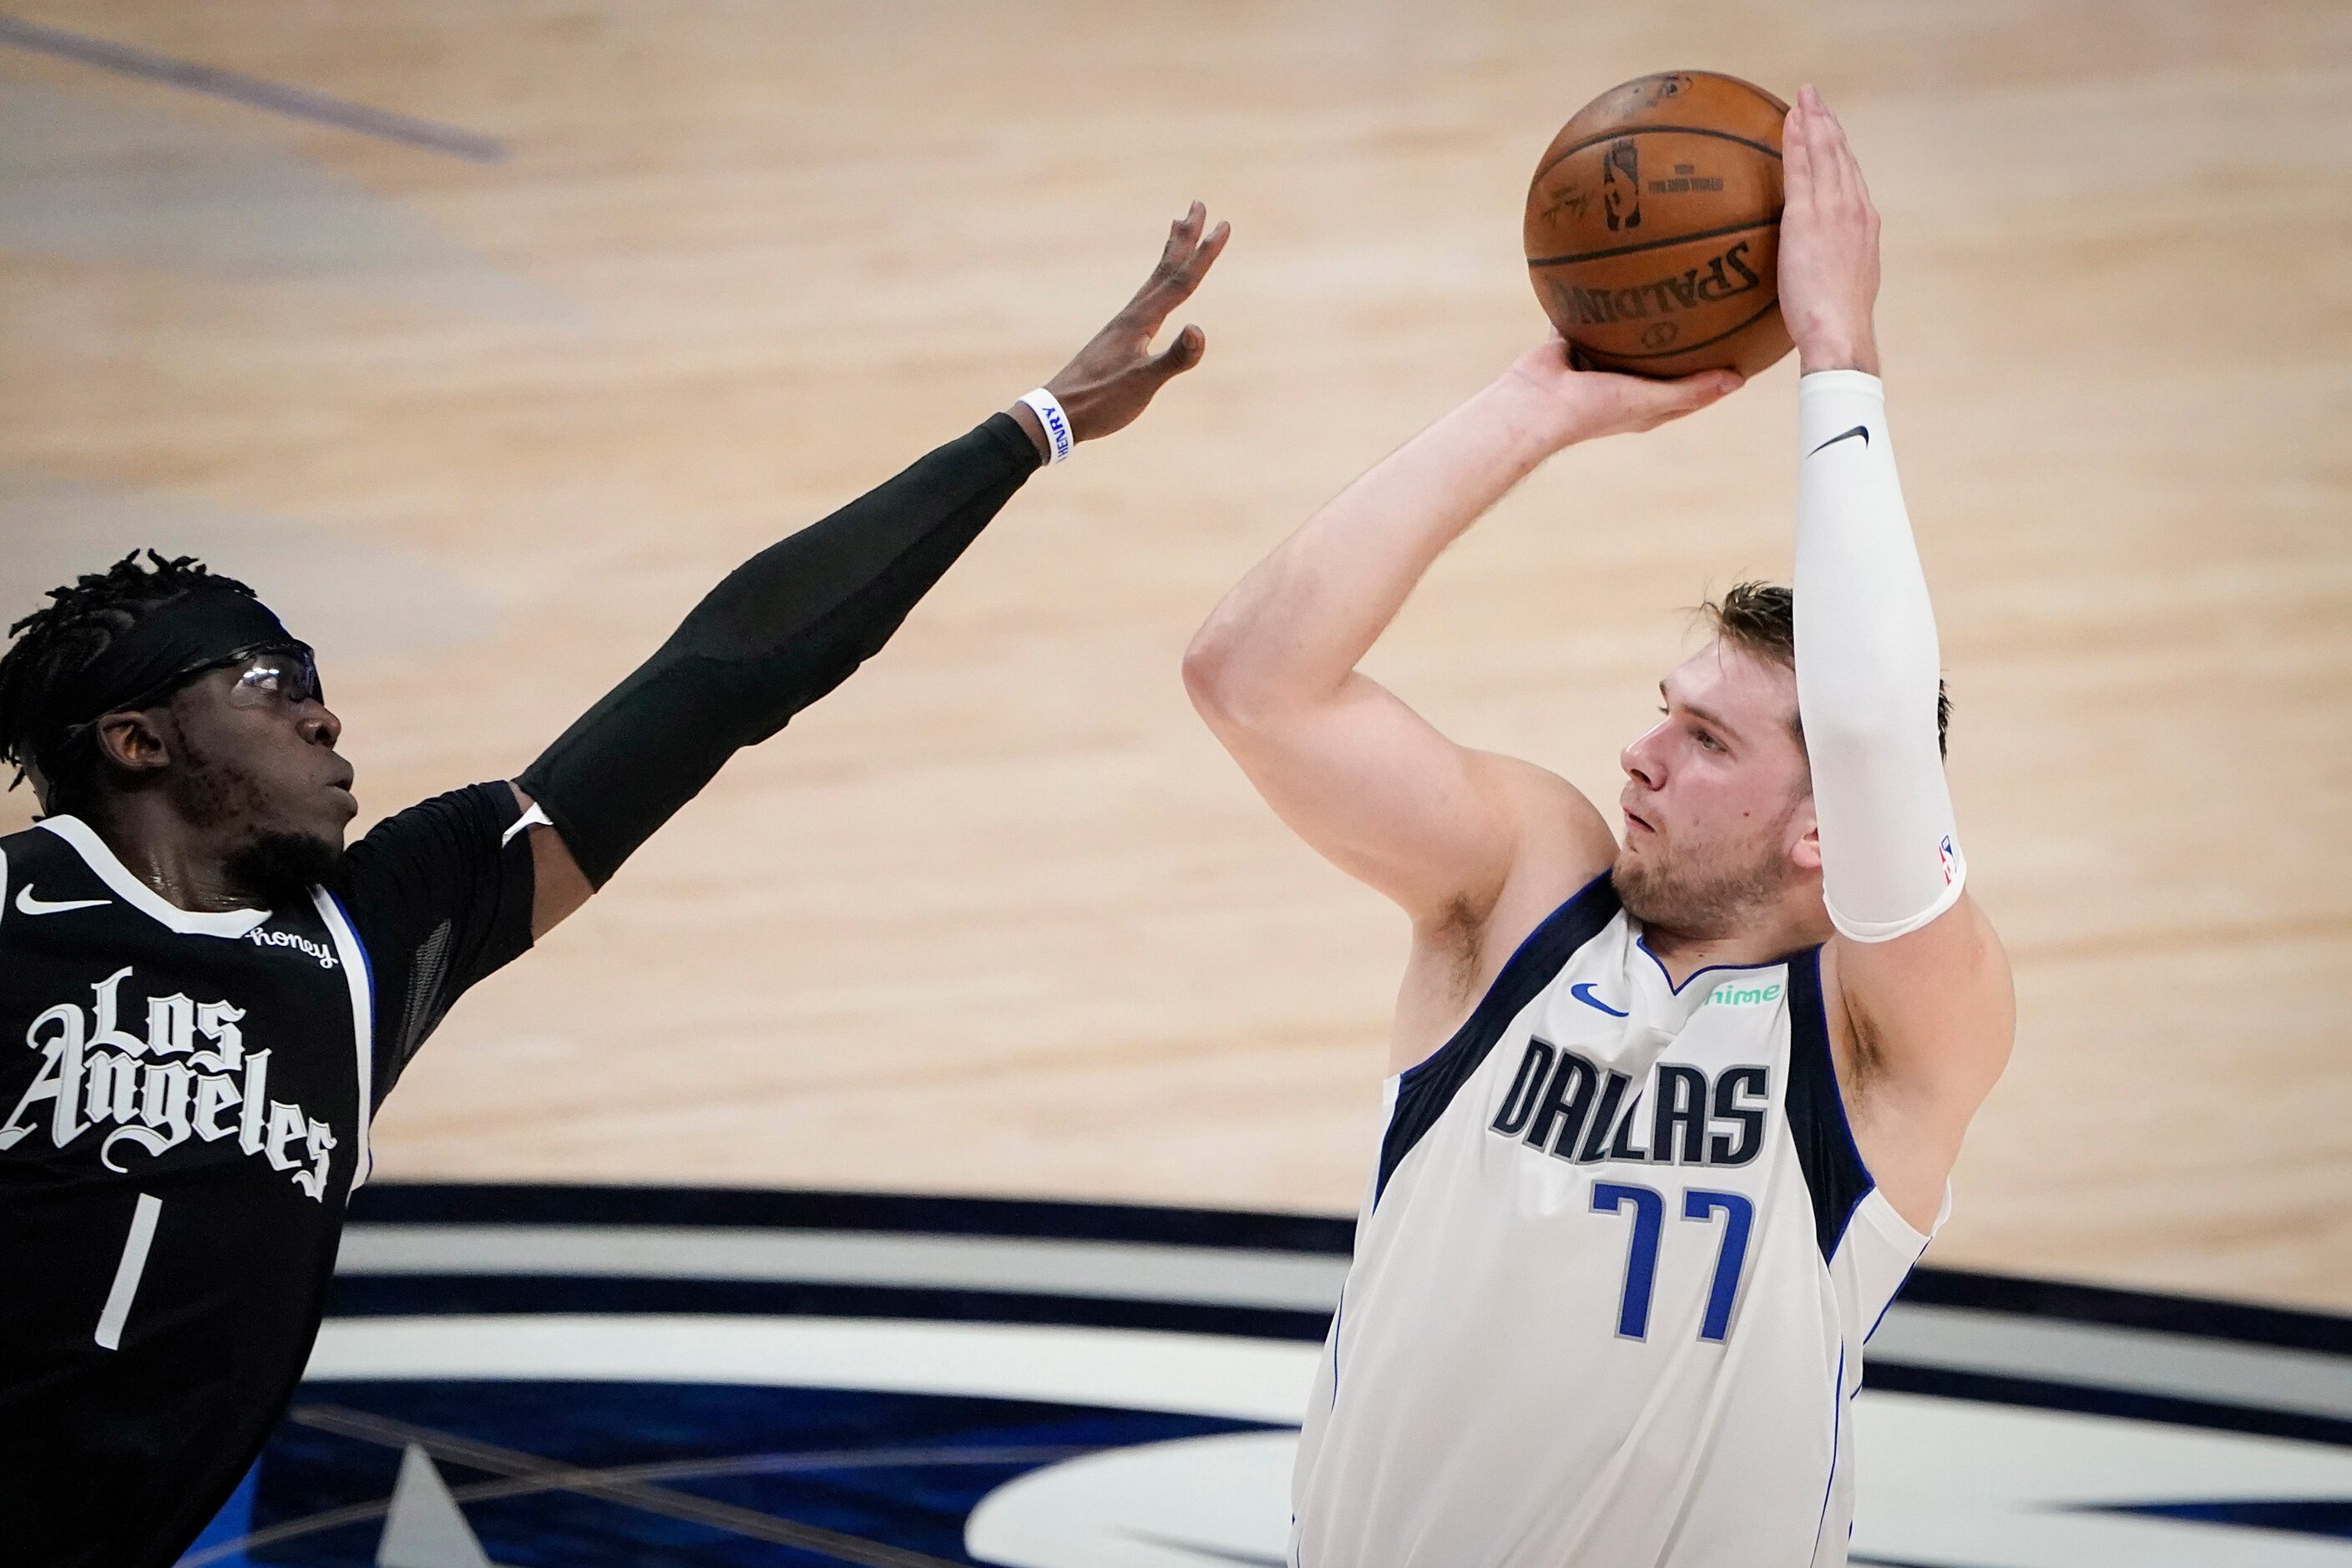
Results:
189 1076
1571 1108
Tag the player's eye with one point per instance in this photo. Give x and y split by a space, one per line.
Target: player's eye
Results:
1709 741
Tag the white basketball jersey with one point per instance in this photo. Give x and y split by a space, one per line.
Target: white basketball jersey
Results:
1612 1281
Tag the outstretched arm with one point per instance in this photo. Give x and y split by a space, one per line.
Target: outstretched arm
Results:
794 621
1925 1009
1362 778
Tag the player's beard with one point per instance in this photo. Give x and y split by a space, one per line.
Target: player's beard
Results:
282 867
273 864
1702 895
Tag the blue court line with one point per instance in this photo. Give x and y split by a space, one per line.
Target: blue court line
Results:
296 102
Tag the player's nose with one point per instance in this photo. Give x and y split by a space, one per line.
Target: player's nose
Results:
318 725
1640 761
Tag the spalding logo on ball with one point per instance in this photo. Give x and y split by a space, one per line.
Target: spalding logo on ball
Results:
1654 227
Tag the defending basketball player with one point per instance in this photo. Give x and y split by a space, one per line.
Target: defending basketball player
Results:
203 997
1673 1117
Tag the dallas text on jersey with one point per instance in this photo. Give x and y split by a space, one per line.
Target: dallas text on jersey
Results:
1573 1110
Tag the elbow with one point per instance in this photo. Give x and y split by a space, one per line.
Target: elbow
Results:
1214 674
1231 683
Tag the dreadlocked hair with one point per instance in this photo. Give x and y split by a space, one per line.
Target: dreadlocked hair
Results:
80 623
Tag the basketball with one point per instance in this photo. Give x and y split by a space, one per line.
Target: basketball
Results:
1654 227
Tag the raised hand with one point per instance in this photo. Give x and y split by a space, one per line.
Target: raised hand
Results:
1115 376
1829 243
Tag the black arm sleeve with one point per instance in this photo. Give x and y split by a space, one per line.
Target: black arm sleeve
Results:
784 628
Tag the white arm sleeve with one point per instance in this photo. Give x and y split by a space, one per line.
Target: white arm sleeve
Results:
1867 671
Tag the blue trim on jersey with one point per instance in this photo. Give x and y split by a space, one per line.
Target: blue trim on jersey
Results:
1643 942
1896 1294
1837 1430
369 1072
378 1084
1827 1156
1518 953
1428 1087
1339 1322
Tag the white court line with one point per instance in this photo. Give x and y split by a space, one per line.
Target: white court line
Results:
1962 1339
2141 1361
1196 1374
1120 1270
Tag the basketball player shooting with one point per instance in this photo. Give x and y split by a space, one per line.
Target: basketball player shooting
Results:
1672 1117
203 996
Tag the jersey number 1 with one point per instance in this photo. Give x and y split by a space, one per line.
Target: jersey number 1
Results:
1641 1257
127 1270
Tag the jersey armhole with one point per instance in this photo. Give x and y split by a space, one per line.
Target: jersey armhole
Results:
1425 1090
1827 1156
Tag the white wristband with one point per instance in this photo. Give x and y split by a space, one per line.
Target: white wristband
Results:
1048 409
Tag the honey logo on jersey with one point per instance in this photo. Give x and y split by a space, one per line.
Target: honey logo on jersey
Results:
316 952
189 1076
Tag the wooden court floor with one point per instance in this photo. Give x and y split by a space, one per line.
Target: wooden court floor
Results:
486 414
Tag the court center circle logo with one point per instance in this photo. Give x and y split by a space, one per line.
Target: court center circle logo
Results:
520 1376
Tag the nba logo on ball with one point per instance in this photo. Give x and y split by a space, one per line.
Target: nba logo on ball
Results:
1950 857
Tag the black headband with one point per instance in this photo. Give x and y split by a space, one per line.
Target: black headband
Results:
204 626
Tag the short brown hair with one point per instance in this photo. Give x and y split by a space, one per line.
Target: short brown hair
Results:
1760 618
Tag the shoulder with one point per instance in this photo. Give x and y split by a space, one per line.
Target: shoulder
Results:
1561 845
27 840
461 819
33 849
436 847
1561 837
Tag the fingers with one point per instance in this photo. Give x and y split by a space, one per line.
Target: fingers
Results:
1184 262
1689 394
1834 173
1180 355
1183 237
1796 155
1661 401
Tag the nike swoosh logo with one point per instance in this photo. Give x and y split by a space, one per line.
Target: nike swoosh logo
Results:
1582 992
1861 430
27 904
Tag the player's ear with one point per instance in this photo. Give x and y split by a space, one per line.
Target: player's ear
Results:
133 740
1805 841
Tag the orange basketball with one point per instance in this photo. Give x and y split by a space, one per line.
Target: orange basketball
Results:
1654 227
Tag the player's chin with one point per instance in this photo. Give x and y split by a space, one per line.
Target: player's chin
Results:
318 811
318 816
280 864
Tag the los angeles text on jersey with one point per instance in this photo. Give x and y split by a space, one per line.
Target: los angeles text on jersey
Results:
1573 1110
188 1076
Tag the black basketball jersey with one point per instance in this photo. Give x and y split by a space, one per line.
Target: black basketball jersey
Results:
185 1101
